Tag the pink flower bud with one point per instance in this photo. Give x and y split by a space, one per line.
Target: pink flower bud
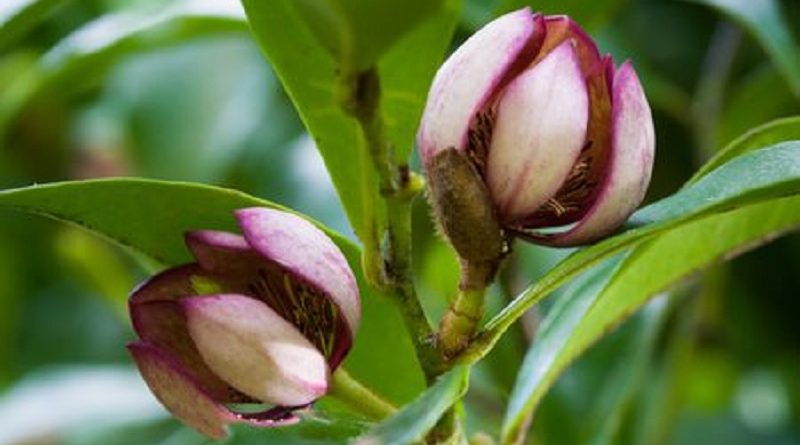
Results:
562 141
263 318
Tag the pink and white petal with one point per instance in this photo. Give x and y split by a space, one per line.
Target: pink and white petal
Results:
472 75
163 323
220 252
170 284
255 350
540 129
179 392
629 168
306 252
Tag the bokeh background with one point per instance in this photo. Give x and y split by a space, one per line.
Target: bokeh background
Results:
179 90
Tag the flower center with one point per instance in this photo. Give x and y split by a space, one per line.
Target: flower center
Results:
299 303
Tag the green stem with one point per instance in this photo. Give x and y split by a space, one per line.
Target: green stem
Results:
391 270
461 321
355 395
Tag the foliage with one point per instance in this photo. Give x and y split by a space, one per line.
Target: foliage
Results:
133 122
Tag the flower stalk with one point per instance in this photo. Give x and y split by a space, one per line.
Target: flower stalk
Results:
351 392
461 321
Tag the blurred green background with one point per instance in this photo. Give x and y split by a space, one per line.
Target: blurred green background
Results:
179 90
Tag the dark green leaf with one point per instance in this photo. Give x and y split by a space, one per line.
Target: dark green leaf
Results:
763 19
82 59
412 423
150 217
18 16
761 176
359 32
649 269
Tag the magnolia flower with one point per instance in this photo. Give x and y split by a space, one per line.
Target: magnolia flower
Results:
561 140
261 318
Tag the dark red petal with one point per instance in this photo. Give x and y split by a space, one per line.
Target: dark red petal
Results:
220 252
560 28
168 285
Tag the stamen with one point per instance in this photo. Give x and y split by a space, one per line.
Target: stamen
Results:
479 137
313 314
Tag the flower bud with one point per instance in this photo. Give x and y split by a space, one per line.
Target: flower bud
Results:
561 141
261 318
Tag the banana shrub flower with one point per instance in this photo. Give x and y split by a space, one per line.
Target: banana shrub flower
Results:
529 131
260 318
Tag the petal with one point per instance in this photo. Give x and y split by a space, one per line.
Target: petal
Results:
259 353
560 28
539 132
307 253
163 323
170 284
471 76
180 394
629 166
578 192
158 319
220 252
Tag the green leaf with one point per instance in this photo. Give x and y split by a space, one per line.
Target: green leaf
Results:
614 401
358 32
150 217
761 176
18 16
309 74
763 19
313 429
82 59
412 423
649 269
760 96
780 130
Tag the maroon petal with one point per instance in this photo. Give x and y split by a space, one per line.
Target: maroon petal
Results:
561 28
220 252
168 285
182 396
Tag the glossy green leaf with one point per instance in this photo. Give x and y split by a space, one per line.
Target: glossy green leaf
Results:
309 74
18 16
763 19
760 176
358 32
150 217
779 130
417 418
649 269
